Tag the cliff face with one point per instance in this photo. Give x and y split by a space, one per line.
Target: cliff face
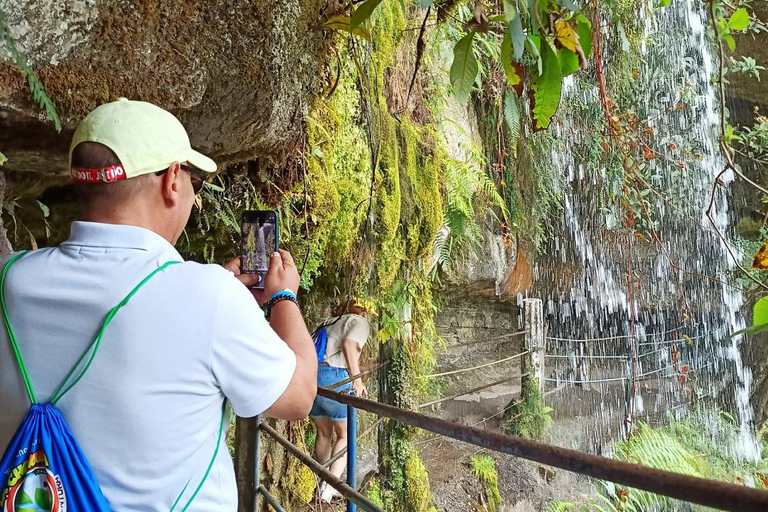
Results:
238 74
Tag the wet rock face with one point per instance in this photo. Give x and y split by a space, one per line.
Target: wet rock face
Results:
239 74
745 91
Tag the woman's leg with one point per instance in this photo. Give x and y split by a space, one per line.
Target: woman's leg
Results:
324 438
340 427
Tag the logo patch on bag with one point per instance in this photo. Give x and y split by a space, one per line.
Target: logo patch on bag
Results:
32 487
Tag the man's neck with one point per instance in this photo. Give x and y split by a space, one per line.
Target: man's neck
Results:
123 219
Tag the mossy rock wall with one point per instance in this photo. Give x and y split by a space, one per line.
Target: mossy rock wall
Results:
239 74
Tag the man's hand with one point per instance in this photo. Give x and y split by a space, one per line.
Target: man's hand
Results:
282 274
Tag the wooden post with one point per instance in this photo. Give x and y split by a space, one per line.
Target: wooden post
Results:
534 341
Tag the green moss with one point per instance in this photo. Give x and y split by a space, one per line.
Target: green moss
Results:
374 493
528 416
422 164
417 479
484 469
338 166
300 481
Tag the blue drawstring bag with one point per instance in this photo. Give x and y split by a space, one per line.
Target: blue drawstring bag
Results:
43 468
321 343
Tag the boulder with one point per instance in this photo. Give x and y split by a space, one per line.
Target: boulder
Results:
240 75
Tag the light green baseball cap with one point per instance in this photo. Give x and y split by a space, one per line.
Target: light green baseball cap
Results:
144 137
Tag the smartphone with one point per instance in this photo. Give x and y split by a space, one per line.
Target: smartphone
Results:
260 231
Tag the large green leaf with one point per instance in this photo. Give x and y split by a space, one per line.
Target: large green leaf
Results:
568 4
584 30
3 159
546 88
533 41
515 29
464 68
760 312
569 61
362 13
730 41
739 20
513 70
759 318
343 23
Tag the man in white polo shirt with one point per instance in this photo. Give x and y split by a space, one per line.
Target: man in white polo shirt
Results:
147 411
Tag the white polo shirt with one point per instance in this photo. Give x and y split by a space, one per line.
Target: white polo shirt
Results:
148 410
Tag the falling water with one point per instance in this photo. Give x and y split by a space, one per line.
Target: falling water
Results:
655 321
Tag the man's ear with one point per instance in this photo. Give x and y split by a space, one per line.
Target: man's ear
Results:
172 183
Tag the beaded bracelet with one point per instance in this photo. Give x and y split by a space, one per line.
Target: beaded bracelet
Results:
278 297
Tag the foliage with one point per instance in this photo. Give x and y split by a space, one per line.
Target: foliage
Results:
35 86
374 493
470 195
217 221
484 469
752 141
528 416
553 35
746 66
310 435
680 447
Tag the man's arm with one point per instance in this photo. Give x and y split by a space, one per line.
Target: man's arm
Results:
287 322
296 402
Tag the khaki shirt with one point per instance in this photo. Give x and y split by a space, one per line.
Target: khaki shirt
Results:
349 327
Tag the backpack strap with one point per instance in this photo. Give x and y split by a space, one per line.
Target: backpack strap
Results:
9 329
94 346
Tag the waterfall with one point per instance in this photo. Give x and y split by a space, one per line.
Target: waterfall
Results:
603 283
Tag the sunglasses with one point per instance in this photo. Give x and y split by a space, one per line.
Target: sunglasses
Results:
196 177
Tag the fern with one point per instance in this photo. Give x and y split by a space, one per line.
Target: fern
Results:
470 195
680 447
512 120
35 86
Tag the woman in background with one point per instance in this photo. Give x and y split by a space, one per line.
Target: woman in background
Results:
347 332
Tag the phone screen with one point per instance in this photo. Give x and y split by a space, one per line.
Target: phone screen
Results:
259 241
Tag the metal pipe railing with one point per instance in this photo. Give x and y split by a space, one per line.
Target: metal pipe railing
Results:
710 493
351 454
323 473
271 500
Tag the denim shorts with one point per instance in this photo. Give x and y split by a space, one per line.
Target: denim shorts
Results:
325 407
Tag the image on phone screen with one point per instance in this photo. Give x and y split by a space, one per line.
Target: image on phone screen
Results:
259 241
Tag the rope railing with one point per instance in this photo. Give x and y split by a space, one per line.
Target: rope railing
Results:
599 357
590 381
485 365
682 339
671 366
710 493
504 338
473 390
